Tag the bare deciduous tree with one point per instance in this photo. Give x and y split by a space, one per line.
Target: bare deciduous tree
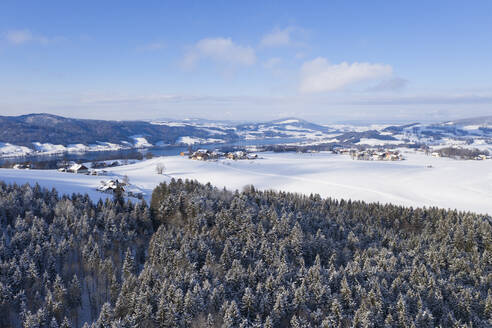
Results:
160 168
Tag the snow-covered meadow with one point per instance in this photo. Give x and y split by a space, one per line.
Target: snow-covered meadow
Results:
419 180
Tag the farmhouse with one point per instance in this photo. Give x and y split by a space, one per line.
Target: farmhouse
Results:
78 168
237 155
111 186
200 155
481 157
21 166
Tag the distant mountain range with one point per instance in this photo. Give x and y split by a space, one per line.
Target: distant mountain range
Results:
483 120
45 128
45 133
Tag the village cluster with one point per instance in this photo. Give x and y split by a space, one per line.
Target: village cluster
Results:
205 154
71 168
96 167
111 186
371 154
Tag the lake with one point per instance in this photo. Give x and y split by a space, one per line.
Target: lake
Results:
132 153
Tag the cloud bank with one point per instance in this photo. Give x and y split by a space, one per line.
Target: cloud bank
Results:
318 75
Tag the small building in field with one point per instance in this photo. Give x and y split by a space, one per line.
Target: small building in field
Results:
111 186
21 166
200 155
237 155
78 168
216 154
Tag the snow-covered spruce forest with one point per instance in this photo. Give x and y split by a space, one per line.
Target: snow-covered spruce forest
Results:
199 256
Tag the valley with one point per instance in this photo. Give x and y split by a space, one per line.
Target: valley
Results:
43 134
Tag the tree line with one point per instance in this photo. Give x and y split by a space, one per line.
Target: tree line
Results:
198 256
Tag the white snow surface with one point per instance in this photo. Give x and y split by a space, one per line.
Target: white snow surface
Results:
189 140
465 185
214 131
194 140
288 121
140 141
169 123
7 150
378 142
48 148
65 183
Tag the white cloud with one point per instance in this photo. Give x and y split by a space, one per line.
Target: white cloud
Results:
221 50
289 36
272 62
277 37
319 75
18 37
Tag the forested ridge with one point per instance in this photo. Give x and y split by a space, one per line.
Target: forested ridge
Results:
24 130
198 256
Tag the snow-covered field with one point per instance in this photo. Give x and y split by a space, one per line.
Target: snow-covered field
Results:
465 185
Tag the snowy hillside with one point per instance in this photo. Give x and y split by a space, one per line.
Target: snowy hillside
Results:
420 180
41 134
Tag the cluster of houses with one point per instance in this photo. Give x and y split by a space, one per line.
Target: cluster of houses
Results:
371 154
113 186
103 164
343 151
205 154
110 186
377 155
21 166
480 157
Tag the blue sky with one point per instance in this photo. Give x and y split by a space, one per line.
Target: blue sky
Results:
326 61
